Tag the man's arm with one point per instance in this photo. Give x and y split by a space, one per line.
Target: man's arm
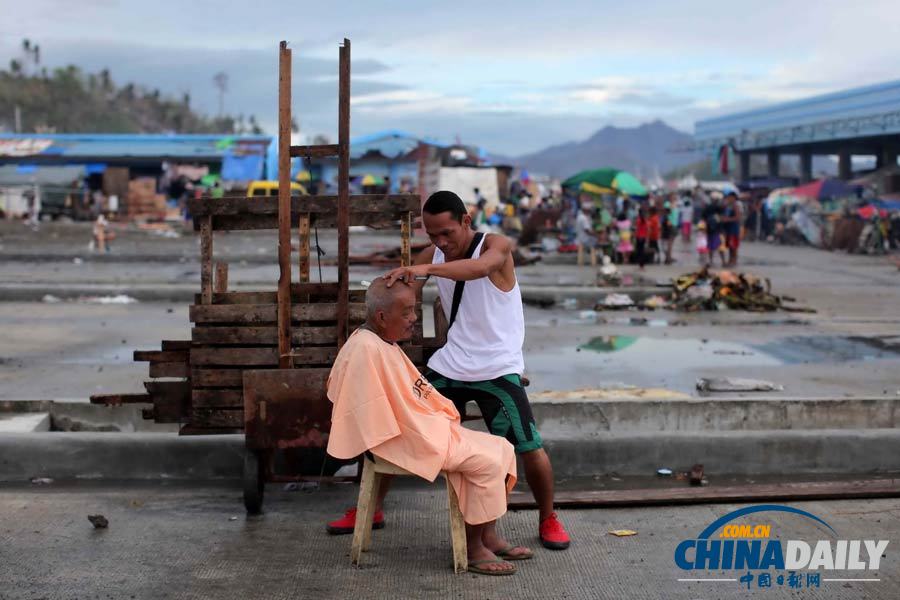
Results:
497 250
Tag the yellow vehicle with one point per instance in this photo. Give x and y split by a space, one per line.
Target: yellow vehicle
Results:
270 188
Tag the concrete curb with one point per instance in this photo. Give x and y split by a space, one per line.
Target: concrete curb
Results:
88 455
153 456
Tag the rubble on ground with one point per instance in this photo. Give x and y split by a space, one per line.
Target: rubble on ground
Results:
714 290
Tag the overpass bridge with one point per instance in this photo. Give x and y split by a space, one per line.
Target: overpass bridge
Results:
859 121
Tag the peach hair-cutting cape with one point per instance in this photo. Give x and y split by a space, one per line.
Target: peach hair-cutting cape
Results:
378 394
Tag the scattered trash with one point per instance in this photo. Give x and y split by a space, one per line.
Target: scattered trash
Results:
77 261
615 301
118 299
623 532
733 352
655 302
709 290
664 472
41 480
696 474
734 384
98 521
588 315
51 299
301 486
232 518
570 303
609 274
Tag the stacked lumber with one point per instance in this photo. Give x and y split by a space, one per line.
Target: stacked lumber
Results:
143 201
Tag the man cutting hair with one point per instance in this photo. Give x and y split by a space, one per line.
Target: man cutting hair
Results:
482 360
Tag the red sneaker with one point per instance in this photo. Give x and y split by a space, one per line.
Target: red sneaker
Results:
348 522
553 534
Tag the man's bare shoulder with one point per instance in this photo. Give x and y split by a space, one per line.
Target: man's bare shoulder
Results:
497 241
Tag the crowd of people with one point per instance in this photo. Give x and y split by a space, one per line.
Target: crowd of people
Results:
644 231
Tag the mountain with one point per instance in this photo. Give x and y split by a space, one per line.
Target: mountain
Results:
644 151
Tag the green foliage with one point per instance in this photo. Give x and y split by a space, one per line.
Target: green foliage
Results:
71 101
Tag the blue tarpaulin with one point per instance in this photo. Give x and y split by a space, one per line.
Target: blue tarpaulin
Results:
242 167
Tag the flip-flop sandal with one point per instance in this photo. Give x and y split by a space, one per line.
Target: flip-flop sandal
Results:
474 567
505 553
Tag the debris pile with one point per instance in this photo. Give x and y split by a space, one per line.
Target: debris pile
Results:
708 290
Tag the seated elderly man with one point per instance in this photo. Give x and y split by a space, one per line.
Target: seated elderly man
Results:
384 405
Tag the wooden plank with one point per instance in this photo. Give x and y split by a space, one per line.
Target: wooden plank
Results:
262 335
212 417
300 292
160 356
263 357
303 336
793 491
171 400
120 399
215 377
405 232
170 369
315 151
265 313
234 356
206 254
176 344
284 205
230 335
247 222
220 285
303 248
327 311
317 206
312 355
233 398
343 204
233 313
241 298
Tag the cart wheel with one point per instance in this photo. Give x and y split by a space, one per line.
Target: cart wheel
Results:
254 482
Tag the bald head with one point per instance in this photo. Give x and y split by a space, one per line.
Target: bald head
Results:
391 311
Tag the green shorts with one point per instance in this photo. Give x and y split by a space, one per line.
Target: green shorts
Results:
503 404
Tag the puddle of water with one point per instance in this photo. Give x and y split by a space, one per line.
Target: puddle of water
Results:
826 349
676 363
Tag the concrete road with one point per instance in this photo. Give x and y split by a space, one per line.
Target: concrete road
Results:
173 542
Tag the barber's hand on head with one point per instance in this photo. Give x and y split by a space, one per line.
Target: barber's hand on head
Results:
407 274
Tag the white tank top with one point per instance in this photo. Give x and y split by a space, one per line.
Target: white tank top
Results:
486 340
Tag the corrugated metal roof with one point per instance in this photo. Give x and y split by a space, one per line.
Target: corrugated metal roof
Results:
127 145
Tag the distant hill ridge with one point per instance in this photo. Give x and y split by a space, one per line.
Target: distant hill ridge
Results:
643 150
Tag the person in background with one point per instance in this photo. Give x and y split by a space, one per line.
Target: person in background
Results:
624 246
712 218
686 217
641 236
732 222
702 244
669 228
585 236
654 234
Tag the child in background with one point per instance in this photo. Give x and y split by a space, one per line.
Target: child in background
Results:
702 247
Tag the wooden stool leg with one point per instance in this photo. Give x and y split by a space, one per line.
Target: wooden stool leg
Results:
593 257
367 531
365 508
457 531
580 255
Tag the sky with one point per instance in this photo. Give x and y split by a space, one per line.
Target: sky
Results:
513 77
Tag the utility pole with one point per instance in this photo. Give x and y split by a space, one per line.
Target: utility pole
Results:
220 80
